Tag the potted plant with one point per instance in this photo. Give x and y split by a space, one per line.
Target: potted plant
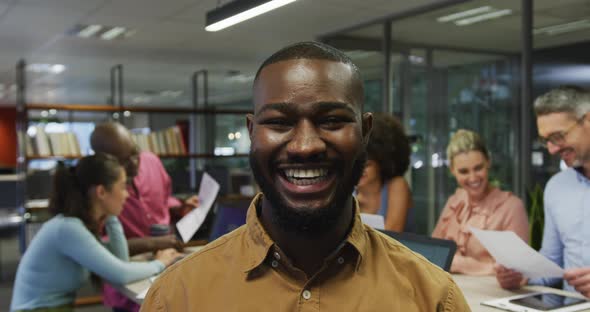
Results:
536 217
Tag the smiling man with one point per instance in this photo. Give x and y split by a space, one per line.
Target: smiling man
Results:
564 128
304 247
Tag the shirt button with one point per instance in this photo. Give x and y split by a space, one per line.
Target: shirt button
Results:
306 294
277 256
340 260
274 263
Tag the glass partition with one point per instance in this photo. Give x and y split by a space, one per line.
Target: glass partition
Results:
450 68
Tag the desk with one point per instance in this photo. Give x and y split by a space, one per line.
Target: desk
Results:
475 289
481 288
131 290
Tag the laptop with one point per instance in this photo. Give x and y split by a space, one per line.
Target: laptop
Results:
437 251
229 217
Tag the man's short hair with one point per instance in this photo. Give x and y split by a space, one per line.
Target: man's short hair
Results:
565 99
313 50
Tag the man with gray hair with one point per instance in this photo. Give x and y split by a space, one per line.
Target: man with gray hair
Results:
564 128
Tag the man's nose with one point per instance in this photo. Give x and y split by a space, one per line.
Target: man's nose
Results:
306 141
552 148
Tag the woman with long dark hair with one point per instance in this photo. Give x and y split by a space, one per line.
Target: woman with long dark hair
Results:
382 188
68 248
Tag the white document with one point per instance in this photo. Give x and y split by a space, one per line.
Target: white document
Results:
373 220
144 292
512 252
189 224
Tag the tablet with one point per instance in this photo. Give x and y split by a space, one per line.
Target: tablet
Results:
540 301
547 301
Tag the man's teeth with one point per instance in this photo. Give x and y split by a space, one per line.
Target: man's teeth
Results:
305 173
305 176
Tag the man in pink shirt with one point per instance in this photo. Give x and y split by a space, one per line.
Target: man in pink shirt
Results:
149 202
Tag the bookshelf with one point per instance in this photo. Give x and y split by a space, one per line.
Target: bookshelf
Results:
200 119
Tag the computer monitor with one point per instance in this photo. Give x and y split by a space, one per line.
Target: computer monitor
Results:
437 251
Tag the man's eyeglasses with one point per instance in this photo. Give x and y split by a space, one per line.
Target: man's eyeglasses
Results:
558 138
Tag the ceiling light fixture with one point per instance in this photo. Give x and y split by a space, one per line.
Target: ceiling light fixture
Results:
483 17
563 28
100 31
462 14
112 33
46 68
238 11
89 31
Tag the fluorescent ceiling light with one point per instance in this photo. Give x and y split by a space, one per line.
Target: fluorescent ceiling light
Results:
171 93
360 54
57 68
563 28
100 31
483 17
240 10
112 33
462 14
46 68
89 31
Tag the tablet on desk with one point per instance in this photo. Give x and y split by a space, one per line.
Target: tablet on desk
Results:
538 301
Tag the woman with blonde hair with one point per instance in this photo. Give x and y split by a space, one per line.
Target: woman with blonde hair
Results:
476 203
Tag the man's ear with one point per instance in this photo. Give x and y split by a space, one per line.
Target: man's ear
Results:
250 124
367 125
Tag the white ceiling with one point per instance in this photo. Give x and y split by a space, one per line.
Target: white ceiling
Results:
171 43
502 34
499 35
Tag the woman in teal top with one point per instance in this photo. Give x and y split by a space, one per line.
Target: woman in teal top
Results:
67 249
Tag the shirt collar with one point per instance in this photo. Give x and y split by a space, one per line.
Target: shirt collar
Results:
580 175
259 243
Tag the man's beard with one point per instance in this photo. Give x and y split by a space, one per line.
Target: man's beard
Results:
309 222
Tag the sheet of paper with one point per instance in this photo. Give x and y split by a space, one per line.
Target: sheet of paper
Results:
189 224
373 220
144 292
512 252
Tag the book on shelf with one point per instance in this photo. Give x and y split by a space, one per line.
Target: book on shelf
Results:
52 144
168 141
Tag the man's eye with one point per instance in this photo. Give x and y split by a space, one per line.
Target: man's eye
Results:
555 137
333 121
277 122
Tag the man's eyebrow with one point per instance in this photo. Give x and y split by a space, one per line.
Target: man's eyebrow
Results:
329 106
321 107
281 107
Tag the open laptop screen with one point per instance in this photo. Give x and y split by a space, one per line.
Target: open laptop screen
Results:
437 251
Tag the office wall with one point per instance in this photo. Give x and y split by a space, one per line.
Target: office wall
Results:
7 137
